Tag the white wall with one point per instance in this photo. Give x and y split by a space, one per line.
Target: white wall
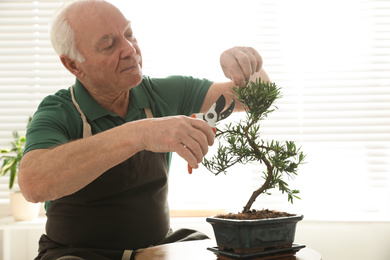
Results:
346 240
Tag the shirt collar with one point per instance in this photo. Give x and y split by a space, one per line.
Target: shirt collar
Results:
93 111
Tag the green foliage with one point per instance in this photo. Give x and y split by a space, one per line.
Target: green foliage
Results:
241 142
13 156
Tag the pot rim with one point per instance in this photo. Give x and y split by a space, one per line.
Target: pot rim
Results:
295 218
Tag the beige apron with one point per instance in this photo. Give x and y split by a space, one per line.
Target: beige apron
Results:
124 209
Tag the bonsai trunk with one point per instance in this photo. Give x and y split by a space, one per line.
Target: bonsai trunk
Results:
256 193
270 169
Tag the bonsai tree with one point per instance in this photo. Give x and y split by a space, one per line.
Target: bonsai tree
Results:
242 143
12 157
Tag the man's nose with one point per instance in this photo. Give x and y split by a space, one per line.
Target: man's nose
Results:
128 50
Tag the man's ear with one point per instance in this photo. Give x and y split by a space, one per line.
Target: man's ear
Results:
72 66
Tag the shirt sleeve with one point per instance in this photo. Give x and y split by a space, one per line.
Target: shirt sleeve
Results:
54 123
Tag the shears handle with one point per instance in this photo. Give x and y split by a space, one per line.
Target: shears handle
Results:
215 132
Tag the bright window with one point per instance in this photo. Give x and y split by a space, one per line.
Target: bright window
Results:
331 58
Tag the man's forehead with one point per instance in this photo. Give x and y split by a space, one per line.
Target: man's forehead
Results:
101 17
125 27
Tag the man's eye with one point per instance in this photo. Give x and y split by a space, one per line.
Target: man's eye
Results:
110 46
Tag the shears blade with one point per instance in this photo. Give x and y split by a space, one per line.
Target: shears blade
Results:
220 104
215 114
227 112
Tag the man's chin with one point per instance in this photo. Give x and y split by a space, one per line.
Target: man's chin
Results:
134 80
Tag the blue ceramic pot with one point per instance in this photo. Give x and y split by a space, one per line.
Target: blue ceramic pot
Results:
244 236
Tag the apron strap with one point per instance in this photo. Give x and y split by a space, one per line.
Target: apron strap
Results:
127 254
86 127
148 112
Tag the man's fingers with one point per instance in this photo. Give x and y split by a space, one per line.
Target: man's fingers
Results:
259 61
197 141
188 137
203 129
187 155
192 141
245 61
201 137
196 147
239 63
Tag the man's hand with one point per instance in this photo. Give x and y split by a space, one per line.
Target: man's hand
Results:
239 63
188 137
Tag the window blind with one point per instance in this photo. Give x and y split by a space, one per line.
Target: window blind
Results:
331 59
29 68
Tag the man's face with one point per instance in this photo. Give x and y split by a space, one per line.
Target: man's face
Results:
105 38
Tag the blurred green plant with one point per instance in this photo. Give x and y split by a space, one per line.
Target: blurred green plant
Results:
13 156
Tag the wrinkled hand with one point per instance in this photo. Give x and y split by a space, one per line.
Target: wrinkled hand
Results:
239 63
188 137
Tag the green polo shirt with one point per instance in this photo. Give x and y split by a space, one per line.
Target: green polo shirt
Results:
57 121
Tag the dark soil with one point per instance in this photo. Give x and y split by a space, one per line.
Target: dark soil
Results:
255 214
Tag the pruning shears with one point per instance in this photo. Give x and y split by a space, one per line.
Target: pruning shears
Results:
215 114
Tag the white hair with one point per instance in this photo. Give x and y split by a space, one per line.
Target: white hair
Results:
62 35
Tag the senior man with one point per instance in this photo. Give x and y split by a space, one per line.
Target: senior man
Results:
98 153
